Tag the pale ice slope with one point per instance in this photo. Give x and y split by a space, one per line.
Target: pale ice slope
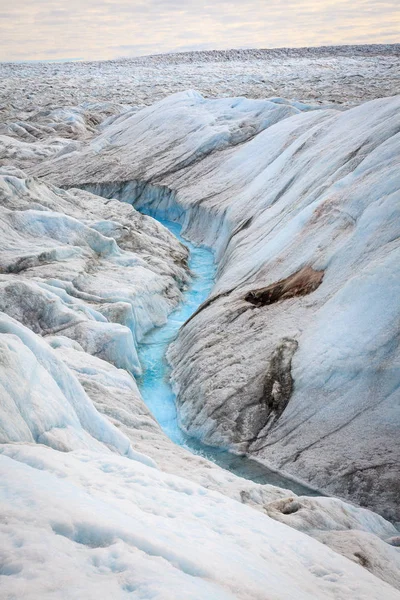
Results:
330 201
305 374
104 526
177 132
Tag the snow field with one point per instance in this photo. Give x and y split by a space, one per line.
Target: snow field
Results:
112 526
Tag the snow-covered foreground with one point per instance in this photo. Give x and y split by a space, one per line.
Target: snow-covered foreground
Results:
83 524
293 358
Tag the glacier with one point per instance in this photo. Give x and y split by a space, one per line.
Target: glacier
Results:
285 349
284 191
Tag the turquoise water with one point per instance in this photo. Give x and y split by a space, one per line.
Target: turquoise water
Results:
154 384
157 391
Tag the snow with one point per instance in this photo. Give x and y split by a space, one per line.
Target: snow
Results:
104 525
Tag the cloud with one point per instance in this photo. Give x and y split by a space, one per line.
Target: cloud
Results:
103 29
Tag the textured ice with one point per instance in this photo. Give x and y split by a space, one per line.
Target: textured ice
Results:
66 300
43 402
302 188
344 74
91 504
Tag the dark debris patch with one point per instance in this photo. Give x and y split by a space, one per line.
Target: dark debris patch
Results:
301 283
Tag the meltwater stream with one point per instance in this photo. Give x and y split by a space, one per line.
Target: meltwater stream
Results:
157 391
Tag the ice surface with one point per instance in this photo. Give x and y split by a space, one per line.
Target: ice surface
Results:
62 294
90 502
43 402
64 291
107 526
346 74
302 188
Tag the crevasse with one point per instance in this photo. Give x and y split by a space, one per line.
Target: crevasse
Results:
155 385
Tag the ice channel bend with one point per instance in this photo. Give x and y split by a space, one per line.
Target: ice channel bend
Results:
157 391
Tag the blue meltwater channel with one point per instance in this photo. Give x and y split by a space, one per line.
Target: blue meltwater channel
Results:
154 385
155 382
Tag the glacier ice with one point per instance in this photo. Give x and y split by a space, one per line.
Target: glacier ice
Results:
276 188
298 188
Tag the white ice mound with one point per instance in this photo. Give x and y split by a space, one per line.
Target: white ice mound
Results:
53 131
46 312
295 357
104 526
43 402
184 128
103 274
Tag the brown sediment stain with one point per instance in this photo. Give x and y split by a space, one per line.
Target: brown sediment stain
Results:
301 283
363 560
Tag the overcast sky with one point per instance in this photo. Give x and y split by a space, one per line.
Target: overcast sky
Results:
102 29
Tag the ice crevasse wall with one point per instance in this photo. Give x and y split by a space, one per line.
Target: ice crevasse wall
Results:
294 358
77 293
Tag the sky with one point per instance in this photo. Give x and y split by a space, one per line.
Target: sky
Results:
104 29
